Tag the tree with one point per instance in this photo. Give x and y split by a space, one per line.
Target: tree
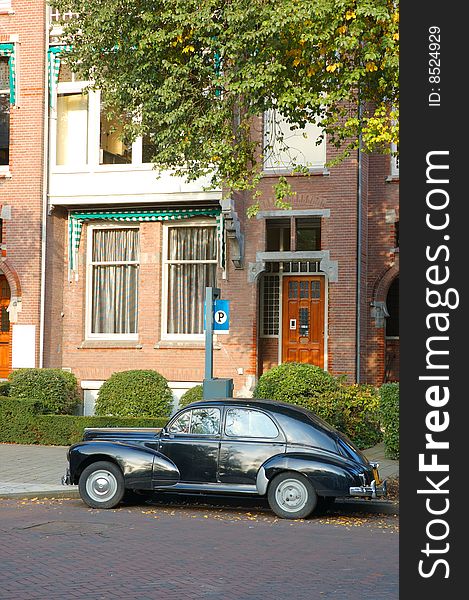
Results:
192 74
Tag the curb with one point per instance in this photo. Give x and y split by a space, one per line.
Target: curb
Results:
387 507
41 495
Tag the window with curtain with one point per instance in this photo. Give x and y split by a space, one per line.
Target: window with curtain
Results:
191 265
114 276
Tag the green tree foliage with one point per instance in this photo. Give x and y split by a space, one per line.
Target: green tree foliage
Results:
191 75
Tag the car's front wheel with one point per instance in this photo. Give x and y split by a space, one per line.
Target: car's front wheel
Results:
101 485
292 496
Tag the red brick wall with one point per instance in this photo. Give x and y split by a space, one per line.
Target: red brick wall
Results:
23 192
337 192
383 263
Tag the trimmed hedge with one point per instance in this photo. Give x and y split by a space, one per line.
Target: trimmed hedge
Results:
4 388
352 409
389 412
193 394
57 390
136 393
21 422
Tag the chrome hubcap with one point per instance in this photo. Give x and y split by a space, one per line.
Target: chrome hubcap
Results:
101 485
291 495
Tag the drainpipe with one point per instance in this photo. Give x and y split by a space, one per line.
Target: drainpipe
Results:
45 189
359 243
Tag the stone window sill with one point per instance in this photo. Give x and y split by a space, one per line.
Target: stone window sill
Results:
115 344
189 345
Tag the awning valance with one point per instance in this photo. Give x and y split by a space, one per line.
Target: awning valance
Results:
53 62
9 51
78 217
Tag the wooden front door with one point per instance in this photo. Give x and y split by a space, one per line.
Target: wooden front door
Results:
303 320
5 337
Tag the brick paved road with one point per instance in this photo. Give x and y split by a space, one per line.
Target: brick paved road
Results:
60 550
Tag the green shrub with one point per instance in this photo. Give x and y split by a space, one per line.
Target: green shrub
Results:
16 418
21 422
389 413
137 393
57 390
296 383
193 394
359 405
352 409
4 388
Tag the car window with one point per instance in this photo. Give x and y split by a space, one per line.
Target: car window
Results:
249 423
181 424
204 421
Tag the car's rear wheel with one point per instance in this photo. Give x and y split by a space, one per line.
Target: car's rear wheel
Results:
101 485
292 496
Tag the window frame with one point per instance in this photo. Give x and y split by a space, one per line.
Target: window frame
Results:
244 435
91 227
207 222
5 169
280 168
93 144
191 412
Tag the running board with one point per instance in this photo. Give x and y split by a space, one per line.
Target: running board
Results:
209 488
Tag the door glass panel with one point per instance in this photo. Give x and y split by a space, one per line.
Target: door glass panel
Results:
293 289
249 423
5 321
315 289
304 289
205 421
304 322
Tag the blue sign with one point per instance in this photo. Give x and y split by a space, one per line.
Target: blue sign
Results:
221 316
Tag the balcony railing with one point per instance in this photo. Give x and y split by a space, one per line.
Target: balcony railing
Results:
56 17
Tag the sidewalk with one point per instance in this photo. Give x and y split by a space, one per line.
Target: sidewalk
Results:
36 472
28 471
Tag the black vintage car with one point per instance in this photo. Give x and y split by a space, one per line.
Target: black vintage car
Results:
230 446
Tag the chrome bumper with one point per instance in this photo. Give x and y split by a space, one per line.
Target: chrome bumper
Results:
66 479
370 491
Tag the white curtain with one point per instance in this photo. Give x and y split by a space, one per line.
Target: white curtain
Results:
72 129
187 280
115 286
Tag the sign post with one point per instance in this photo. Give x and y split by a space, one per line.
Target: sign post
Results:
211 294
217 318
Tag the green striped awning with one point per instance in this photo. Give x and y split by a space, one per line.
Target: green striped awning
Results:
9 51
78 217
53 64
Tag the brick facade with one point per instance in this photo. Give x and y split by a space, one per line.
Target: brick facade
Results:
21 189
244 354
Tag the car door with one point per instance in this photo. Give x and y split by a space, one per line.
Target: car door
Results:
192 442
249 438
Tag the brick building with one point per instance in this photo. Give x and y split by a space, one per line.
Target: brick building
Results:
22 160
128 255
